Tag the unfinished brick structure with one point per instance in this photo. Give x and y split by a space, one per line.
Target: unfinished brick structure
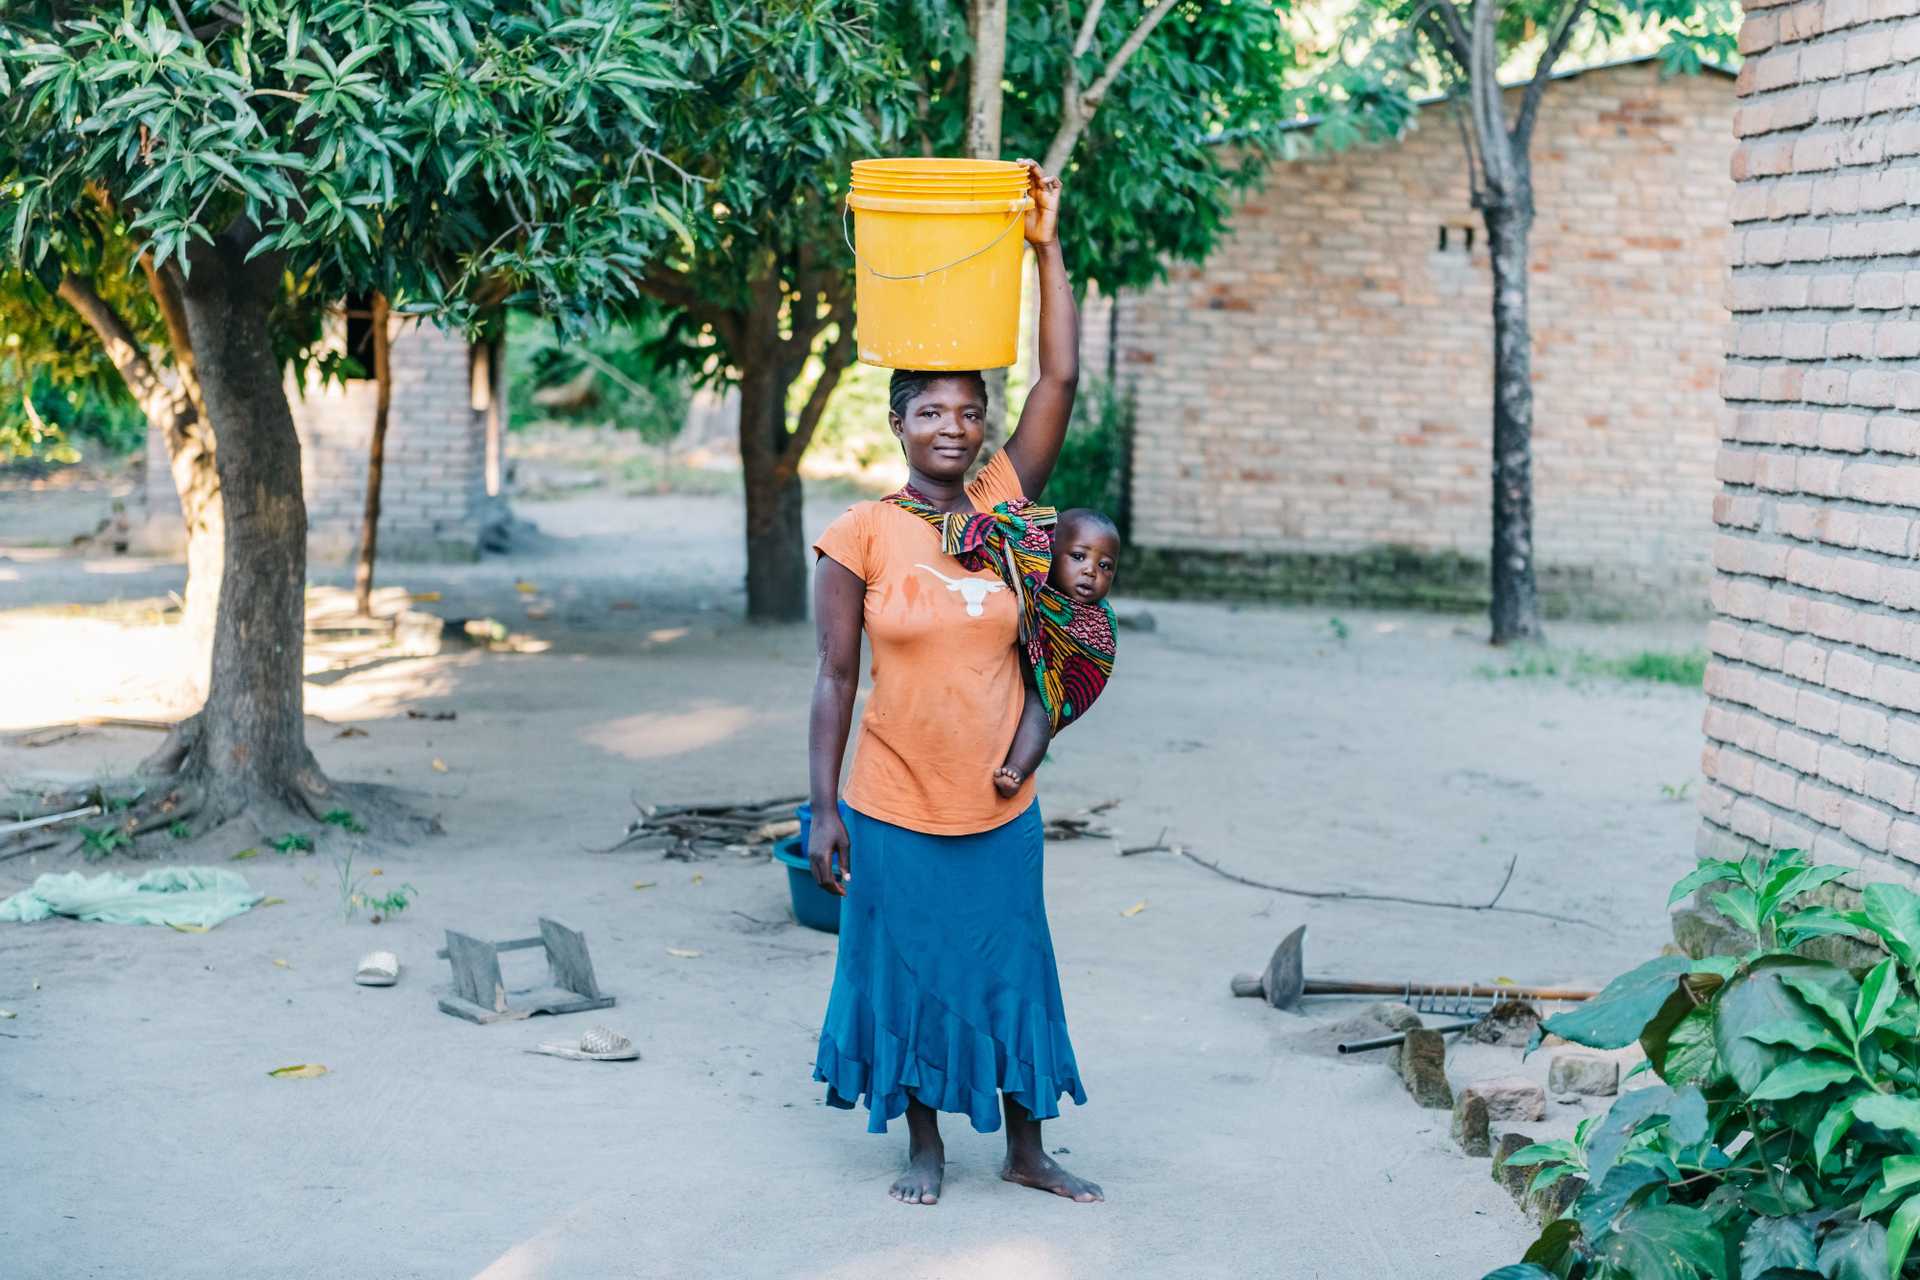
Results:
442 456
1314 403
1813 728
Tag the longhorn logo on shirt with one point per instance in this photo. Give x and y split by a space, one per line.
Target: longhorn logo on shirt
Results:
972 590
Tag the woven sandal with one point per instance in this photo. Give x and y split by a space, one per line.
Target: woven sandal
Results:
597 1044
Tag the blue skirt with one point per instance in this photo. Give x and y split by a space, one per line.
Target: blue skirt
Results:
945 989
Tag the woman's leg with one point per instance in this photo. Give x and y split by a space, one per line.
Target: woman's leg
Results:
926 1158
1029 1164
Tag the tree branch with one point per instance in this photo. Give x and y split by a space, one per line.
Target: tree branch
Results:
674 289
1077 110
1489 117
171 411
1444 20
1543 73
833 362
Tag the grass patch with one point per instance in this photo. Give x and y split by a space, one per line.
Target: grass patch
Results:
1687 669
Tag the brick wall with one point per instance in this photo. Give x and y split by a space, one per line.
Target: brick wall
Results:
1323 384
1813 727
433 498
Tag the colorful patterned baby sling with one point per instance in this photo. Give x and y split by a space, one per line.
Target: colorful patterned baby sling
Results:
1069 645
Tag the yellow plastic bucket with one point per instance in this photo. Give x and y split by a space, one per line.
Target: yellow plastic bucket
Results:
937 250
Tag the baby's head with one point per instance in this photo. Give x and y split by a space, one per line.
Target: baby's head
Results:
1086 552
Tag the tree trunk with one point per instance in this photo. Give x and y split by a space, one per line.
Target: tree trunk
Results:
776 543
249 744
1516 605
376 459
987 22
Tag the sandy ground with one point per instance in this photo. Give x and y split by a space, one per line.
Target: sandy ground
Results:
144 1137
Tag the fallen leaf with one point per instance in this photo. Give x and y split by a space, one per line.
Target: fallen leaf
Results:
682 953
186 928
439 765
525 588
643 884
272 902
278 963
1135 909
351 732
244 854
425 597
299 1071
8 1013
697 877
376 872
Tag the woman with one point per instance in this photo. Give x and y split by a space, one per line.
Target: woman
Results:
945 992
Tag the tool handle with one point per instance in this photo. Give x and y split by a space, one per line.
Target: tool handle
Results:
1247 984
1344 987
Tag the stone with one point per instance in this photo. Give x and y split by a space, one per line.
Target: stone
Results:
1701 933
1587 1074
1470 1124
1136 620
1398 1016
1515 1179
1510 1098
1395 1017
1423 1069
1511 1023
1552 1201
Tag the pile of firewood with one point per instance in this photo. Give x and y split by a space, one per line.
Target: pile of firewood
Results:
689 832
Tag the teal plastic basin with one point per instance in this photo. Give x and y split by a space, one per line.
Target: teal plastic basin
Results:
813 906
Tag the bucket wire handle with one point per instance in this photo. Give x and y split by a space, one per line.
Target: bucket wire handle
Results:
846 233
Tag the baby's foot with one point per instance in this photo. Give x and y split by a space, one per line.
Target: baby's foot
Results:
1007 780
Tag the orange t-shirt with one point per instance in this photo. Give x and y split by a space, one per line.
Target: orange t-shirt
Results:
947 686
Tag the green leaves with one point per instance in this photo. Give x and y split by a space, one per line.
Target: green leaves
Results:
1773 1243
1893 912
1800 1075
1616 1017
1855 1251
1787 1140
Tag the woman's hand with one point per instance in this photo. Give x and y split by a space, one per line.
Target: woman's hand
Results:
1043 218
826 843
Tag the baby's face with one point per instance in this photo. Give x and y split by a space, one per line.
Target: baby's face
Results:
1084 559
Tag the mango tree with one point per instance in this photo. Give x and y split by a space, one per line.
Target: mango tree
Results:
249 160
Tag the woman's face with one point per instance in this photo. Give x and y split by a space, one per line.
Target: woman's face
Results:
941 432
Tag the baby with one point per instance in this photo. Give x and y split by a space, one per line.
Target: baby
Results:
1086 551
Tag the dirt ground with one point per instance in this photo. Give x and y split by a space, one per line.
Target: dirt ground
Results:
145 1138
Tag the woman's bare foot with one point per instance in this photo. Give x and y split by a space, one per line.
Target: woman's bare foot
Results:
1007 780
1040 1170
920 1184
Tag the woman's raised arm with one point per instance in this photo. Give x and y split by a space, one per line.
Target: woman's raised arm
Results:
1035 444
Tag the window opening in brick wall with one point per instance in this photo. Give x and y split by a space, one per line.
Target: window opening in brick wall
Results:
358 309
1459 239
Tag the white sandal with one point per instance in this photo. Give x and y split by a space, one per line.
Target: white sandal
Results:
378 969
597 1044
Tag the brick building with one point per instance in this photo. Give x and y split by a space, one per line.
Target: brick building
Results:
442 463
1314 403
1813 726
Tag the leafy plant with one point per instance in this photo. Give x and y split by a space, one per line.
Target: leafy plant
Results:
1676 791
354 894
292 842
1341 631
344 819
98 842
180 831
1092 471
1783 1140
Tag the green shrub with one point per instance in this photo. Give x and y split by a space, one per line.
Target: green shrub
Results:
1093 466
626 385
1783 1142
